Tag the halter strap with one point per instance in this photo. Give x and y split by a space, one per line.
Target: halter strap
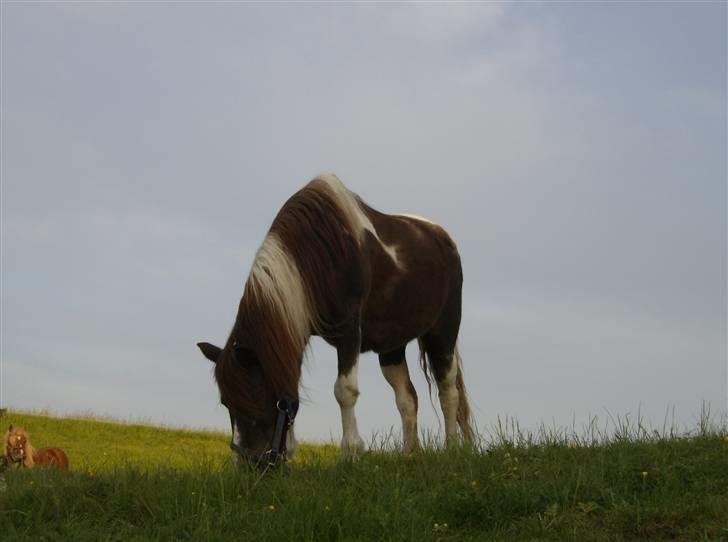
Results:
287 410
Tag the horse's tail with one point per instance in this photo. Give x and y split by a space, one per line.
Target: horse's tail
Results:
464 419
463 416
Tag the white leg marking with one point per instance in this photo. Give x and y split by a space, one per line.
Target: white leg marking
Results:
398 377
346 391
449 398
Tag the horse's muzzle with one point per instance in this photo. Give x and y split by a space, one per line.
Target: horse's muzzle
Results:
269 459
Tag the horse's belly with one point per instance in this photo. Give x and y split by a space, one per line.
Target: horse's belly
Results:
394 324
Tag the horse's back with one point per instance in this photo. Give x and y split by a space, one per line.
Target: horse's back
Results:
416 278
53 457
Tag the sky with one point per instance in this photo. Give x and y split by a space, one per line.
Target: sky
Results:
576 152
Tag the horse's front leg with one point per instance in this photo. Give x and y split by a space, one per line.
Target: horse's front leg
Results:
346 391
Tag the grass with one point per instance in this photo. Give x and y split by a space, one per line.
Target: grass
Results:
137 482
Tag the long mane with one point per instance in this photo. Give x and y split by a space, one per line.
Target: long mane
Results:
28 448
288 295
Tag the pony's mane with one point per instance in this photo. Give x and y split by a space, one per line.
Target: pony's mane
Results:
14 432
288 294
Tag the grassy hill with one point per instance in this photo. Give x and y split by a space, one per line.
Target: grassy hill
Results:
138 482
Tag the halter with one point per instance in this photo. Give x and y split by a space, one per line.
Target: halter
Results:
287 410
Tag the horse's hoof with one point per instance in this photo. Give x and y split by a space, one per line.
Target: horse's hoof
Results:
352 450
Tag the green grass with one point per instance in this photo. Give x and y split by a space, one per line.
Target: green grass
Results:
163 484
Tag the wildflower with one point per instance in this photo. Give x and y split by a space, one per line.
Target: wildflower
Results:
327 508
439 527
193 492
644 474
725 438
31 482
90 472
270 508
474 484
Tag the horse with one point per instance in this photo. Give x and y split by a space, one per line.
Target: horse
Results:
21 453
334 267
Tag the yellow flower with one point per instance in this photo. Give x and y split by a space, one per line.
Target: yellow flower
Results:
644 474
725 438
271 508
474 484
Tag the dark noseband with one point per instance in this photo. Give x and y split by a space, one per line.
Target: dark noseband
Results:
287 410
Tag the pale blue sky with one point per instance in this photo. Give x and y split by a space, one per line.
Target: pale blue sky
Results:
575 151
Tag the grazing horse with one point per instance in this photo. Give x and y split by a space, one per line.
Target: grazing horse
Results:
20 452
362 280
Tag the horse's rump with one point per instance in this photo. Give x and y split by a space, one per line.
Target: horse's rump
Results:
53 457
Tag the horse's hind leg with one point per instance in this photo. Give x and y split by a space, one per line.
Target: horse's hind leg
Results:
394 369
444 367
439 347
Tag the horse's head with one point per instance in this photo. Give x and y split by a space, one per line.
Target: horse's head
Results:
17 445
259 419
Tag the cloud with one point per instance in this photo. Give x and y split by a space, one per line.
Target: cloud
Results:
437 22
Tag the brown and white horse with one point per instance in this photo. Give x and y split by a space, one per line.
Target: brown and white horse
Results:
21 453
332 266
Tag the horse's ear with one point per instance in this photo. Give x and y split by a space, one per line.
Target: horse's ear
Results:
210 351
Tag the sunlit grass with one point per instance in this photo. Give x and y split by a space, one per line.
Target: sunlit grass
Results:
165 484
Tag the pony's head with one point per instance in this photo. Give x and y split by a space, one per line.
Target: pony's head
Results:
256 410
17 446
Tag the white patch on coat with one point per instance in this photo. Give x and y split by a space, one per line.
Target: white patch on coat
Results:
291 444
238 441
358 220
276 277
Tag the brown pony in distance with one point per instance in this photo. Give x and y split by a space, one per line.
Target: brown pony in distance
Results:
20 452
362 280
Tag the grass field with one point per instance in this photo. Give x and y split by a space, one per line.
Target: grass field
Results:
137 482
